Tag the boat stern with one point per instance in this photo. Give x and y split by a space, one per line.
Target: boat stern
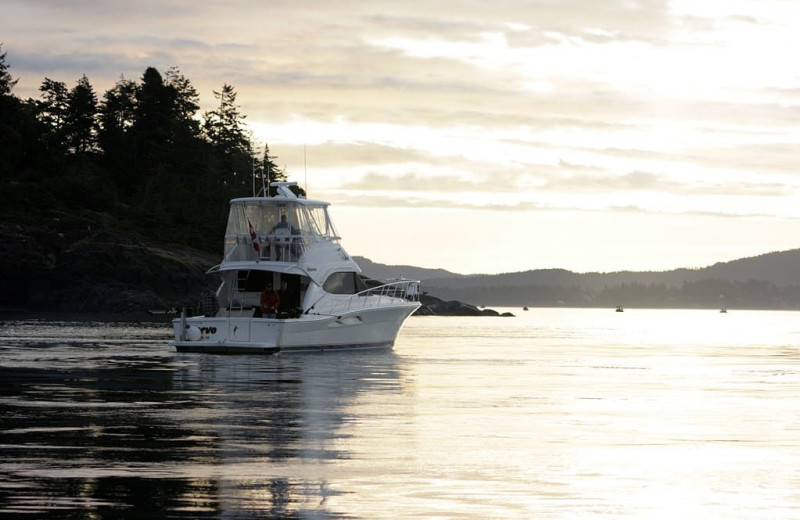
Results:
226 335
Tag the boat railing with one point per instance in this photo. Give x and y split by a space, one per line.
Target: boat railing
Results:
390 294
272 247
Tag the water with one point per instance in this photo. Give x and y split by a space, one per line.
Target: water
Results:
554 414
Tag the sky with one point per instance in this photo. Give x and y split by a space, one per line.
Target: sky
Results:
478 136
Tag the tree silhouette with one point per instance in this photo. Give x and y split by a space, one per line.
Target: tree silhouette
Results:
225 131
51 110
82 117
7 83
224 127
139 159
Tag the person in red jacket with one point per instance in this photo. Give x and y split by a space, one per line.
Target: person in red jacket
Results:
269 301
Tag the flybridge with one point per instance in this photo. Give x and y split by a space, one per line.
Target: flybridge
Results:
278 228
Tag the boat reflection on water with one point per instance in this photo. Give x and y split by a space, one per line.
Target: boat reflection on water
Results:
93 429
278 417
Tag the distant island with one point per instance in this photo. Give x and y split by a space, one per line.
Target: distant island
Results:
768 281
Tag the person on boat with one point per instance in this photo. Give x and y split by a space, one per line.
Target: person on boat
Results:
290 230
208 305
288 306
269 301
283 224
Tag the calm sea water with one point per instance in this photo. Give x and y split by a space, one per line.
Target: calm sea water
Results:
554 414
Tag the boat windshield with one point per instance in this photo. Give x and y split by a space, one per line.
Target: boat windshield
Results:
266 216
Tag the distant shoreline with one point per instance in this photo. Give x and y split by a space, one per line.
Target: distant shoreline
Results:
7 314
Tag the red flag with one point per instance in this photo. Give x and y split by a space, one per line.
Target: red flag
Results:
253 236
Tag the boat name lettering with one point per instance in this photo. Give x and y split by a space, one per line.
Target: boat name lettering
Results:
208 330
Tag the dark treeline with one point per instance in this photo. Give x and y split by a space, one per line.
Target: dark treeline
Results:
136 157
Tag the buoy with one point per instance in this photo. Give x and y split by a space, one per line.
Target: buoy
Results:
193 333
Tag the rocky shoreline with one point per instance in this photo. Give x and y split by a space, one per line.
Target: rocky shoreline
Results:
94 270
432 306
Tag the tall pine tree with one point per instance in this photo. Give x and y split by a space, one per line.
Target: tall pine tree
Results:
7 83
82 117
51 110
231 147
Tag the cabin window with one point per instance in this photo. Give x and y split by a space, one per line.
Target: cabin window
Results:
340 283
321 223
344 283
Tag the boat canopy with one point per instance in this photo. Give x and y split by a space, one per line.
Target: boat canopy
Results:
262 216
283 234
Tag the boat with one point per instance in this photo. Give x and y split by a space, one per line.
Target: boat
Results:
620 309
276 237
161 312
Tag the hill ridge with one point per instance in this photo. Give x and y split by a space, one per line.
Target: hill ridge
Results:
769 280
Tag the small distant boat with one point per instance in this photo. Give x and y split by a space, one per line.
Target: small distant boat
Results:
723 310
620 309
524 308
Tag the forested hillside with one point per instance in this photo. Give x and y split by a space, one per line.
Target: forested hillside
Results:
133 169
138 154
768 281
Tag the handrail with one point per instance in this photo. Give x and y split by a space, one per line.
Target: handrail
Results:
282 247
406 289
390 294
271 247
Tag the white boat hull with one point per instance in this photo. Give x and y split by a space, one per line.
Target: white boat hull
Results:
358 329
284 241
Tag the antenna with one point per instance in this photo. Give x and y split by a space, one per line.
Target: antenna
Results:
264 160
305 169
253 175
266 193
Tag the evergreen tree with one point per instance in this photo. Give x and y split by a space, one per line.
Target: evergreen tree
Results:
15 126
224 127
51 110
117 115
164 114
82 117
272 171
187 143
152 141
187 101
152 116
189 166
117 110
232 156
7 83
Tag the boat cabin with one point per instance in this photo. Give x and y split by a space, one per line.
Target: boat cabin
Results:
282 238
